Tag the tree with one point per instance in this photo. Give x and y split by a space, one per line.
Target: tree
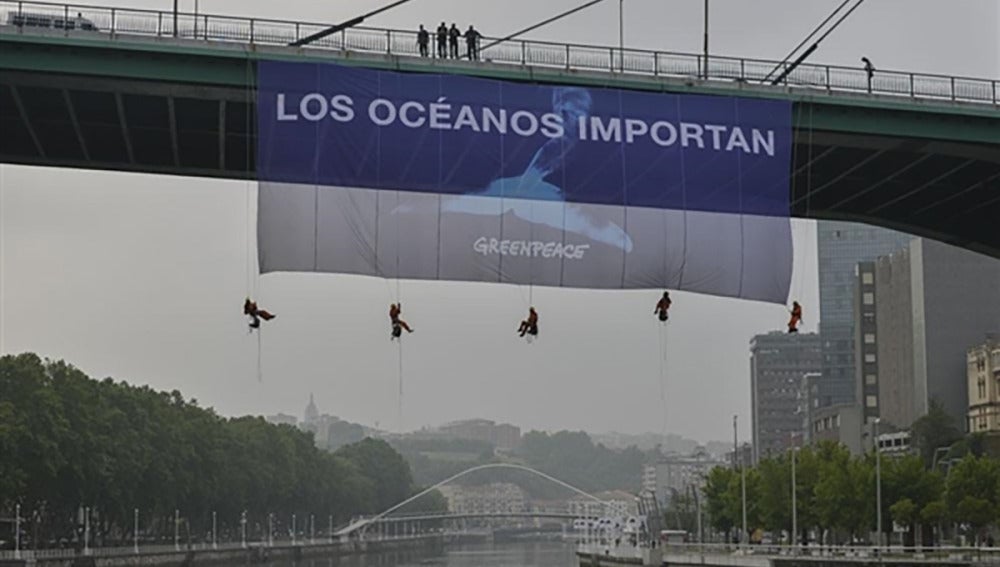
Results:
67 441
905 513
717 494
843 492
934 515
905 478
972 491
776 493
934 430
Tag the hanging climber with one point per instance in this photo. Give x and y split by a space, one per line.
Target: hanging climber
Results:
251 310
529 325
793 323
398 325
662 306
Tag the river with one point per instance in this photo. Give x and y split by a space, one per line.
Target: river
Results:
506 554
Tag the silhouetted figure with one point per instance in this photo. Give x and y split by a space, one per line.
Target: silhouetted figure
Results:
442 40
423 41
793 323
251 310
398 325
453 34
662 306
529 325
869 70
472 36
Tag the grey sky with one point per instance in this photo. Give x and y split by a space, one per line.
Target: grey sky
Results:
141 277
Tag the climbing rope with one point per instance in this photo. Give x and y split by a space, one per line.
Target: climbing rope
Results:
664 337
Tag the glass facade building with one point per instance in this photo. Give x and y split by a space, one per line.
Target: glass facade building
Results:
840 247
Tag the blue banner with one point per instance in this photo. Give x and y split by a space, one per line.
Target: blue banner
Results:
530 175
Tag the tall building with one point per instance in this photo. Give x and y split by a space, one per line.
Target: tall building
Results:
778 364
983 361
930 302
840 246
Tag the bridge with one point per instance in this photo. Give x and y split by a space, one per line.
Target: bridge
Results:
386 517
147 92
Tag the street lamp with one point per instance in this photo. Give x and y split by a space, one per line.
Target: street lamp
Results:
177 523
214 542
135 531
86 530
795 508
621 36
878 487
17 531
243 529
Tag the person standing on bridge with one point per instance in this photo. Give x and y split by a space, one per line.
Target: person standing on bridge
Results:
423 40
869 70
453 34
442 40
472 36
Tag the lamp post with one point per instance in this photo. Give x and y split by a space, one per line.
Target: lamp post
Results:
86 530
17 531
878 488
177 523
329 520
293 530
795 508
135 531
743 491
214 542
621 36
706 40
243 529
270 529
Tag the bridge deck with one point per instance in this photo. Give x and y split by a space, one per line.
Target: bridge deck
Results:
919 153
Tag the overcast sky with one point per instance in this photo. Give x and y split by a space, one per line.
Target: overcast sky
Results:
142 277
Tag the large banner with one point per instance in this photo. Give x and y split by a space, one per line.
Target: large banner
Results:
428 176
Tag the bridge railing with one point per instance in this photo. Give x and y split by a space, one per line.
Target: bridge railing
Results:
927 554
116 22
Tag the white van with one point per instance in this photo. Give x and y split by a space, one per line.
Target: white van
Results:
30 20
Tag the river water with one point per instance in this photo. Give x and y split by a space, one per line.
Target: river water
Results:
506 554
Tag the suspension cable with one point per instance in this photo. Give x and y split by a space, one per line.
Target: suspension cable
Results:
544 22
804 41
814 46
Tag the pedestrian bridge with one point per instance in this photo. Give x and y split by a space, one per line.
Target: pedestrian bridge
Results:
361 525
146 91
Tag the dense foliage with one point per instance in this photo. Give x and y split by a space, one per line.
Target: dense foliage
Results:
835 495
68 442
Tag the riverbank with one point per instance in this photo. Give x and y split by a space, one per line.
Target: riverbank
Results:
252 554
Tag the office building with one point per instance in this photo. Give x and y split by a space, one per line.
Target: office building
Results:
677 474
931 301
983 373
840 246
841 423
778 364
